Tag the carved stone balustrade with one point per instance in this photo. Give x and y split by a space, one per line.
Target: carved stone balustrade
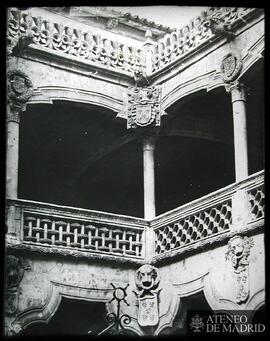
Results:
66 230
207 220
71 41
210 219
98 50
178 44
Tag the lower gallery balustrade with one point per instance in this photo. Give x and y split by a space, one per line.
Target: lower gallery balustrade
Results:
47 225
208 216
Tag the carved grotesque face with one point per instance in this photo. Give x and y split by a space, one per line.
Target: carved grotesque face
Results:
18 84
237 247
14 271
147 277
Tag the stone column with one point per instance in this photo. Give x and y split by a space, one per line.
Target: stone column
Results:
19 91
143 112
238 95
12 153
149 177
230 69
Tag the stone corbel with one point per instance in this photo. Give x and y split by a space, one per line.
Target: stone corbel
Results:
17 45
219 27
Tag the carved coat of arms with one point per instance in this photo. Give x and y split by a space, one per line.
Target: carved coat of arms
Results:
143 106
19 89
231 67
147 282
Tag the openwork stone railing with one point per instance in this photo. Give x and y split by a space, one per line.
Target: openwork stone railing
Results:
73 42
56 226
194 227
208 216
256 201
199 222
97 50
181 42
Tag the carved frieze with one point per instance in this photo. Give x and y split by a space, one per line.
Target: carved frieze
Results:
19 91
147 282
231 66
143 106
238 253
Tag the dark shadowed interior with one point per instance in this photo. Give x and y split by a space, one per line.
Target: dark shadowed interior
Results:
80 155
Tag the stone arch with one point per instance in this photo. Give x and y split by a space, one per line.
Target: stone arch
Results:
212 80
48 94
56 292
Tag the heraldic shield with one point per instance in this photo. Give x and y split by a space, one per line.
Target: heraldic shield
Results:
148 311
143 107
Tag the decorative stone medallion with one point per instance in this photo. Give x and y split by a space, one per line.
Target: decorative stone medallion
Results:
19 89
147 282
231 67
143 107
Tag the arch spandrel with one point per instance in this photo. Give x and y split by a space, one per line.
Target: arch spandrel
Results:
203 72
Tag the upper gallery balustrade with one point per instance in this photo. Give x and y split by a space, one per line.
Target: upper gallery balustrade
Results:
97 49
74 42
201 29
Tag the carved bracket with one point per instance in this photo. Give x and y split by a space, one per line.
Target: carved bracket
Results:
219 27
147 282
238 253
19 91
143 107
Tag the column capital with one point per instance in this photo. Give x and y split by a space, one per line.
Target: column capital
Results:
149 143
19 91
238 91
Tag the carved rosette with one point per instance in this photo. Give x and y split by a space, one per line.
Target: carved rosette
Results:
231 66
238 253
19 91
143 107
147 282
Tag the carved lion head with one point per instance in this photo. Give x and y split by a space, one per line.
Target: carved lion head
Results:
147 277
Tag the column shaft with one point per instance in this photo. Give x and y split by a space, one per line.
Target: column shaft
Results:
240 131
12 158
149 178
